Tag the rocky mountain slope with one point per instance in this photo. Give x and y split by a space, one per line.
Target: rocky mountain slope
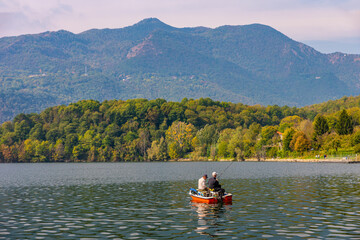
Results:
252 64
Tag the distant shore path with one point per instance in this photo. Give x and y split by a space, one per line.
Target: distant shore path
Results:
312 160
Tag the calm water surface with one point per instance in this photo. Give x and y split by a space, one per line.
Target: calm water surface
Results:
150 201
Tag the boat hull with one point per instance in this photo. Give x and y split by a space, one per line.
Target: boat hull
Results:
200 199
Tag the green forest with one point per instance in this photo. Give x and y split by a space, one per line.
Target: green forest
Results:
159 130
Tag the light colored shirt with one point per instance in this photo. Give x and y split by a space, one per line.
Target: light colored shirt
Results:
202 184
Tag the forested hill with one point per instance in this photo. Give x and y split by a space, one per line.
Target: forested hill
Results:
252 64
157 130
332 106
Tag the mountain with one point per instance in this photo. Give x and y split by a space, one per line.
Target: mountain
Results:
252 64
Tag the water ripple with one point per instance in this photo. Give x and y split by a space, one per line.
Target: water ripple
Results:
311 207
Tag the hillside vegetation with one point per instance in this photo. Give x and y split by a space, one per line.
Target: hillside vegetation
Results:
158 130
252 64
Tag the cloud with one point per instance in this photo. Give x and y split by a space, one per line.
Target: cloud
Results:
21 17
317 20
14 23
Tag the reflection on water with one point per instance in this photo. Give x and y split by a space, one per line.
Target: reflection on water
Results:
208 214
319 206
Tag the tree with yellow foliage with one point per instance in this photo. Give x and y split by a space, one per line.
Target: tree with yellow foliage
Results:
179 138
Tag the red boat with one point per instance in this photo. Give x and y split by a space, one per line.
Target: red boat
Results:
210 198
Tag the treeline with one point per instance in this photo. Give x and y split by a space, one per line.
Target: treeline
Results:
157 130
332 106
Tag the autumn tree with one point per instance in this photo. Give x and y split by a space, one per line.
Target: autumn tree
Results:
267 134
144 142
290 121
299 142
174 150
59 151
302 144
157 151
355 140
179 138
306 126
332 141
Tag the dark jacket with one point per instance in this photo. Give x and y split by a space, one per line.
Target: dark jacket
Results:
214 183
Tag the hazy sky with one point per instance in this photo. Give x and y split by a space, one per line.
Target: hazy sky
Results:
326 25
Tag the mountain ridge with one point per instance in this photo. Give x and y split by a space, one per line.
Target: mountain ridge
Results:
252 63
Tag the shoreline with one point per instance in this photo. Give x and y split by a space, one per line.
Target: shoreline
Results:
288 160
312 160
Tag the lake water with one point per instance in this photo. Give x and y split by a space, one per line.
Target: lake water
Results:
150 201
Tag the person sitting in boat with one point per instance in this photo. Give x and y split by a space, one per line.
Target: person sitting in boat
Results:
202 184
215 186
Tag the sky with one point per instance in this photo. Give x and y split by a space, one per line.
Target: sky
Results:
327 25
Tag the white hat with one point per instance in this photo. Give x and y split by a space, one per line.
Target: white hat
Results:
214 174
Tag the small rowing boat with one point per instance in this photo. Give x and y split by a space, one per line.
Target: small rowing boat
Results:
211 197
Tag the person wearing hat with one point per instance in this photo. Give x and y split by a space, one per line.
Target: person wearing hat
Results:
215 186
202 183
